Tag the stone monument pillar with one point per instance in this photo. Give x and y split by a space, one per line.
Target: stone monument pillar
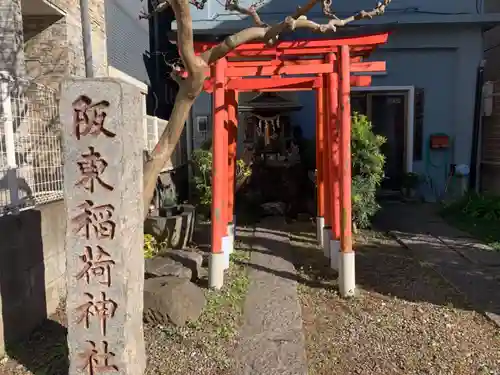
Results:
102 127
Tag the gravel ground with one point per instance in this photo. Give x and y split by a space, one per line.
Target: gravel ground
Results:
406 320
201 348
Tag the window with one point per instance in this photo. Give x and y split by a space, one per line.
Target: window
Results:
202 124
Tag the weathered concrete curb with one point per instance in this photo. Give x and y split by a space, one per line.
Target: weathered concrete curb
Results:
272 340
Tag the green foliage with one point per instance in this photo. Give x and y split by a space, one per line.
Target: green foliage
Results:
202 173
477 214
151 246
367 169
482 207
202 176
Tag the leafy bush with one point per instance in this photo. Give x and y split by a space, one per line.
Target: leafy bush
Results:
150 246
367 169
202 174
476 206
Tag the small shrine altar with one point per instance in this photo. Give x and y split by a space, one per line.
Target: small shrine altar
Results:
268 128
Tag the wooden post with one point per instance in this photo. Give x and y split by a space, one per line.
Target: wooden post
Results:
334 157
232 128
347 282
320 151
219 175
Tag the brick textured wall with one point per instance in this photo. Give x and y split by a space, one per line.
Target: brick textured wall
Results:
54 44
11 38
32 269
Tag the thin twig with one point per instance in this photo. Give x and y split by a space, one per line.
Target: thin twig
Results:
232 5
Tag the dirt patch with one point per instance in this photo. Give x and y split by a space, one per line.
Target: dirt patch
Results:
203 348
406 320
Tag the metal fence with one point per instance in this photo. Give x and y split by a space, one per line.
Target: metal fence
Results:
31 158
30 145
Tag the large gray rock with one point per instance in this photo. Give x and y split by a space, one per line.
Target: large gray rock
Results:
189 259
165 266
103 188
171 299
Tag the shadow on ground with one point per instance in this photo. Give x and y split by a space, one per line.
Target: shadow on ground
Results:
423 269
45 352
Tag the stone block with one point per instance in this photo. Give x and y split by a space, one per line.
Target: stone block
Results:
189 259
171 299
103 194
164 266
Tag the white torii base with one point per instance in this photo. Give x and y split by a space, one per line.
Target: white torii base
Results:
347 274
216 266
320 223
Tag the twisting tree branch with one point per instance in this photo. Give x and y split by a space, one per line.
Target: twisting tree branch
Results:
233 5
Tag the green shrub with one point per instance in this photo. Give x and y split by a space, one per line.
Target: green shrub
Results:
202 176
150 246
201 161
367 169
476 206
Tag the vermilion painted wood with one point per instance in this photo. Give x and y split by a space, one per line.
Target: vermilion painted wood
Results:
368 67
326 44
358 51
232 129
286 61
280 84
326 154
277 70
300 67
356 65
333 102
320 148
219 167
345 153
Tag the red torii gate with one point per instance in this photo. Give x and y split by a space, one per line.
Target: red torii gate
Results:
326 66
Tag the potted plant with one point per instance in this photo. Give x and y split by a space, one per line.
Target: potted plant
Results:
410 184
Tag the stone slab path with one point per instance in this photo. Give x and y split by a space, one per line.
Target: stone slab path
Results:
272 338
471 267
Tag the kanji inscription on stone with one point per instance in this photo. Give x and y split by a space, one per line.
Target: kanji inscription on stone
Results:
94 360
95 220
89 117
95 265
102 309
103 160
92 165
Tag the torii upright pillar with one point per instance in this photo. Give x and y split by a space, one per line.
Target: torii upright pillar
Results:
320 150
217 262
333 152
347 277
232 130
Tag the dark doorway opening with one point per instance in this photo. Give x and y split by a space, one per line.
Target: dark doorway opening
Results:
388 114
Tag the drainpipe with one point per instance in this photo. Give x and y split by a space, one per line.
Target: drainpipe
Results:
87 38
476 135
